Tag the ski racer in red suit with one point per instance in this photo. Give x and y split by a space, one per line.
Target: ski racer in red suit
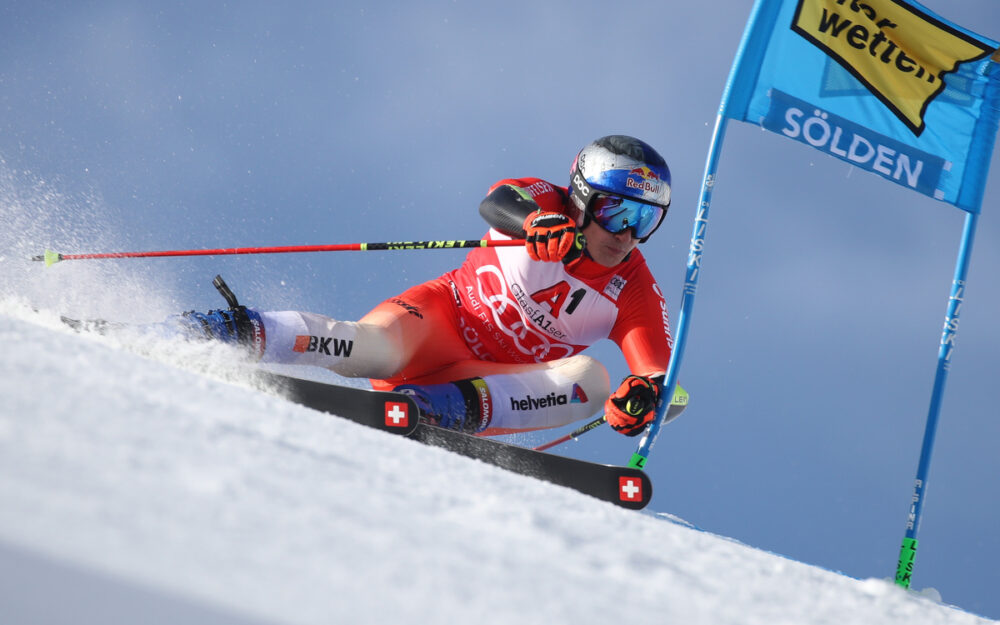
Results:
494 346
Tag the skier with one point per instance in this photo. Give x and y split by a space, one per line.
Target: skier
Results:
494 346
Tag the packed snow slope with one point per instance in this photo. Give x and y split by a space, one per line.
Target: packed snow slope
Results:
141 480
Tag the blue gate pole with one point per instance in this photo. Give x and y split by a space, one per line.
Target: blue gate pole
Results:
908 551
641 454
738 86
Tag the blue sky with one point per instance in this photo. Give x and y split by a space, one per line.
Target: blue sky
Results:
814 337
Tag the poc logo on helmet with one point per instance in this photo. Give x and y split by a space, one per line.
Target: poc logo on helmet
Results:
581 184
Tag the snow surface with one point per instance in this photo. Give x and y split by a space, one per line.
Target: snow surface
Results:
133 488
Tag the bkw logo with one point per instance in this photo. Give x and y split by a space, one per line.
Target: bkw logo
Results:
322 344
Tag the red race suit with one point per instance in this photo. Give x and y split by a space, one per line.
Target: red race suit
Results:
510 309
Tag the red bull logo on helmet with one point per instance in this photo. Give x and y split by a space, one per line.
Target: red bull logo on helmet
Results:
645 180
645 172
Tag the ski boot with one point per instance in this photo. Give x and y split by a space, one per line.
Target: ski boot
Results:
464 405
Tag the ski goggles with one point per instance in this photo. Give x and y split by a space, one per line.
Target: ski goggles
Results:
616 214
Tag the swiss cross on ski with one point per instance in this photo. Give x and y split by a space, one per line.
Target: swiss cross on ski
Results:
397 414
630 489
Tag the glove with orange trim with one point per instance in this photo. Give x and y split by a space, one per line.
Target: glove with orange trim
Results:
551 237
633 405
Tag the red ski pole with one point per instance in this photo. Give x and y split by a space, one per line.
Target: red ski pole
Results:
674 410
583 429
50 258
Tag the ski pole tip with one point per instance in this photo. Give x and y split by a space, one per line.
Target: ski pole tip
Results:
49 257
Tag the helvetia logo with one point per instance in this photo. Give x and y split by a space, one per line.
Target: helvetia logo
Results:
534 403
898 52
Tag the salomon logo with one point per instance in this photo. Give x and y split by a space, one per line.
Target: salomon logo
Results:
259 337
485 403
531 403
322 344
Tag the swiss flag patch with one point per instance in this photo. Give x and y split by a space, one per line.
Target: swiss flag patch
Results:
629 489
397 414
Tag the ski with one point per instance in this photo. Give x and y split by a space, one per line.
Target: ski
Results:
624 486
383 410
397 413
